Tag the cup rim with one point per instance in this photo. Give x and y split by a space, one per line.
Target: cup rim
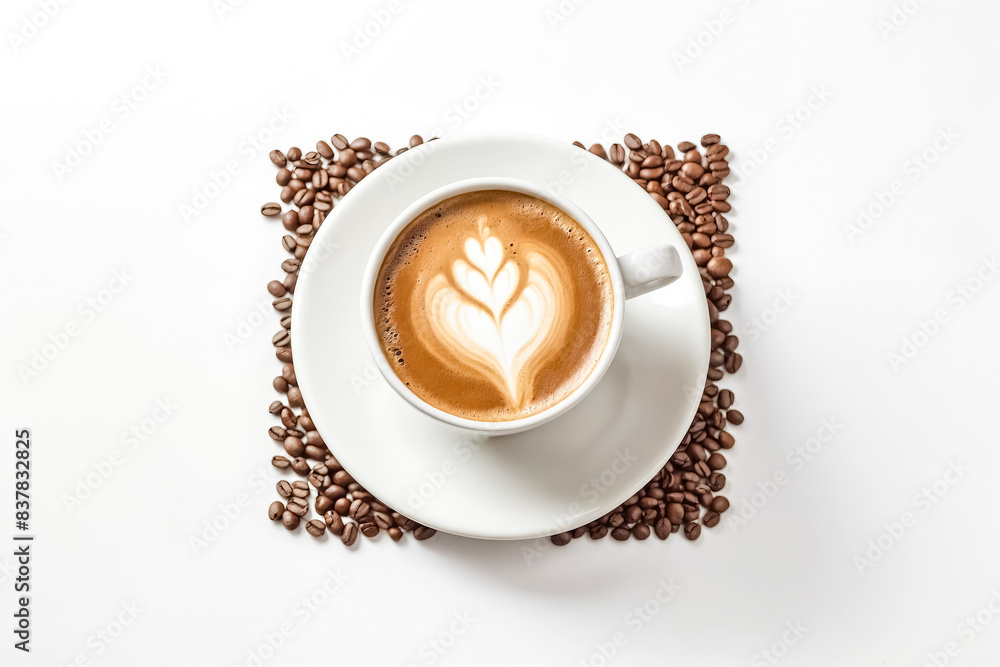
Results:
399 224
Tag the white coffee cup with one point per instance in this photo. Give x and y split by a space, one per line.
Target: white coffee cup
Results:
631 275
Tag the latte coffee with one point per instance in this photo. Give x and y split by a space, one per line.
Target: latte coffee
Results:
493 305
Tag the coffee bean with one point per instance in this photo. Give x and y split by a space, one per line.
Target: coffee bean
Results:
675 512
621 533
275 511
726 440
692 531
362 144
294 153
300 466
271 209
276 407
324 149
339 141
295 397
284 489
719 267
640 531
716 462
617 154
720 504
359 509
725 399
709 139
316 528
281 339
369 530
323 504
334 522
297 506
294 446
423 533
290 520
280 462
711 519
349 535
396 534
290 281
277 157
735 417
733 362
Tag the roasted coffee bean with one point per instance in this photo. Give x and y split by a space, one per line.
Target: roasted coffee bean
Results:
720 504
709 139
271 209
281 339
733 362
369 529
277 157
276 407
280 462
621 533
316 528
725 399
295 397
383 521
711 519
363 144
349 535
396 534
692 531
561 539
423 533
735 417
597 532
294 153
294 446
323 504
288 419
381 148
300 466
633 142
275 511
339 141
719 267
276 288
359 509
726 440
316 479
280 385
297 506
616 154
685 146
277 433
324 149
290 281
716 462
675 512
640 531
290 520
334 522
284 489
315 452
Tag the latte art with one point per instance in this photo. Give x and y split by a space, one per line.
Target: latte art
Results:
500 316
493 305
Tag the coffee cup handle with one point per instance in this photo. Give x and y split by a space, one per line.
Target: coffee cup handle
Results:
646 270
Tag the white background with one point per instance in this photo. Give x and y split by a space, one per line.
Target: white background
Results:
878 100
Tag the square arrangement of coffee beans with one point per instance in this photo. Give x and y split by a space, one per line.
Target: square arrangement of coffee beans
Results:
686 179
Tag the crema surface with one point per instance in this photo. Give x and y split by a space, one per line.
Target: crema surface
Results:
493 305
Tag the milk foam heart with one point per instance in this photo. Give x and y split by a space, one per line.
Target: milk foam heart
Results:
494 321
493 305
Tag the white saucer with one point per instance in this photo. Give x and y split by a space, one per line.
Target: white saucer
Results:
553 478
